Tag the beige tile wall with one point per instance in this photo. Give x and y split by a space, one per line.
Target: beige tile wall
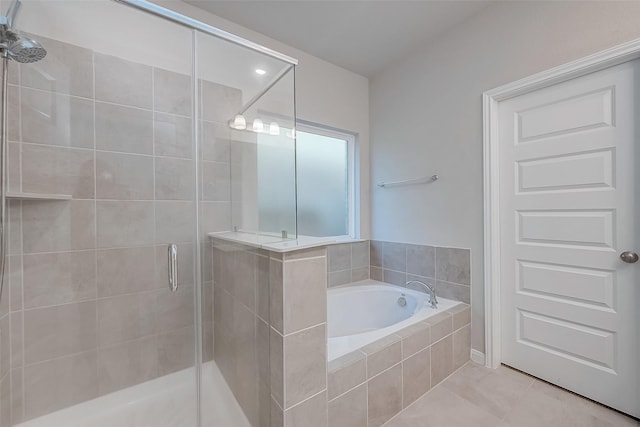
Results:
369 386
87 310
270 332
449 269
241 328
286 314
299 337
348 262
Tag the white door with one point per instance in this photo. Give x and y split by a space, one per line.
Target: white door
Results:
569 198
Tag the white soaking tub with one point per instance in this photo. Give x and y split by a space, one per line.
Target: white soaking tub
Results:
362 312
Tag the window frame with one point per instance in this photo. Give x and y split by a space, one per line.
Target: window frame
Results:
353 199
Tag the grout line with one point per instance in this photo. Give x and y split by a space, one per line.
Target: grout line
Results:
101 150
154 218
326 359
305 329
99 349
98 299
95 209
19 107
435 266
110 248
100 101
304 259
324 390
380 373
348 391
21 310
402 361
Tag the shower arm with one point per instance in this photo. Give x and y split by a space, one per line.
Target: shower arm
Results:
12 12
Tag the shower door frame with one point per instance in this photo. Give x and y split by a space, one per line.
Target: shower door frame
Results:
194 24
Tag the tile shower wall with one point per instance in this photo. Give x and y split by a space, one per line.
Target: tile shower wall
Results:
448 268
87 310
218 104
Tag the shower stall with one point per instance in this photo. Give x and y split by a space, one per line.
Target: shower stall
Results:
134 134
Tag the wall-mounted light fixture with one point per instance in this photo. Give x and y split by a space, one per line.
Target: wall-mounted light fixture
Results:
258 126
238 122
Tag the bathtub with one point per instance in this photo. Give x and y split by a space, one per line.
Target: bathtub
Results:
362 312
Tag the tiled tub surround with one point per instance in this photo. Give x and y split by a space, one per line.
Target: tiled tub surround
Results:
368 387
368 310
87 309
348 262
280 299
449 269
297 384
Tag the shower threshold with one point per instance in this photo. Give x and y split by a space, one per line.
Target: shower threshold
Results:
167 401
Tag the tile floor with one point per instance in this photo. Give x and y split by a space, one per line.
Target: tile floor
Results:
480 397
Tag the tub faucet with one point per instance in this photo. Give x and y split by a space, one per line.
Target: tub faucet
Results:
431 291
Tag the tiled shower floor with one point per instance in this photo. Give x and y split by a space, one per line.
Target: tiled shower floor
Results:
481 397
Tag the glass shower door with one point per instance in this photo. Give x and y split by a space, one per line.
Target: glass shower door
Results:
126 152
101 183
246 169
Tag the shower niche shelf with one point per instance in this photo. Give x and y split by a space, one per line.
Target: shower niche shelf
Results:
15 195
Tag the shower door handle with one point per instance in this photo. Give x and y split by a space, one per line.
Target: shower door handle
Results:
173 267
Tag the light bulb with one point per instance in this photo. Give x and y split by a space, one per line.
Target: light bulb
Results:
238 122
261 71
258 126
274 128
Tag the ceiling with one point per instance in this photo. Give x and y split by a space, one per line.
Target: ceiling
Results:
364 36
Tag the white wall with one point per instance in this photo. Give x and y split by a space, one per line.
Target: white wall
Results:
325 93
426 116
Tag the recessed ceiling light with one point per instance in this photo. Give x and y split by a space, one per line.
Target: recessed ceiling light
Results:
260 71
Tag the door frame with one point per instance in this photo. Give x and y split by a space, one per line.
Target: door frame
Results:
491 154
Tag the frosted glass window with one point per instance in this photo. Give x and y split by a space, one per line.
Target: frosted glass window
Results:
323 179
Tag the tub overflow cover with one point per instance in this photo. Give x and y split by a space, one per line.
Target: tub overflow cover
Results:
402 301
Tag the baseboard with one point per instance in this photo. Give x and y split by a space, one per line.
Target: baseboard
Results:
477 357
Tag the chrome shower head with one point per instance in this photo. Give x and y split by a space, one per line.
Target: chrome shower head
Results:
13 44
25 50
